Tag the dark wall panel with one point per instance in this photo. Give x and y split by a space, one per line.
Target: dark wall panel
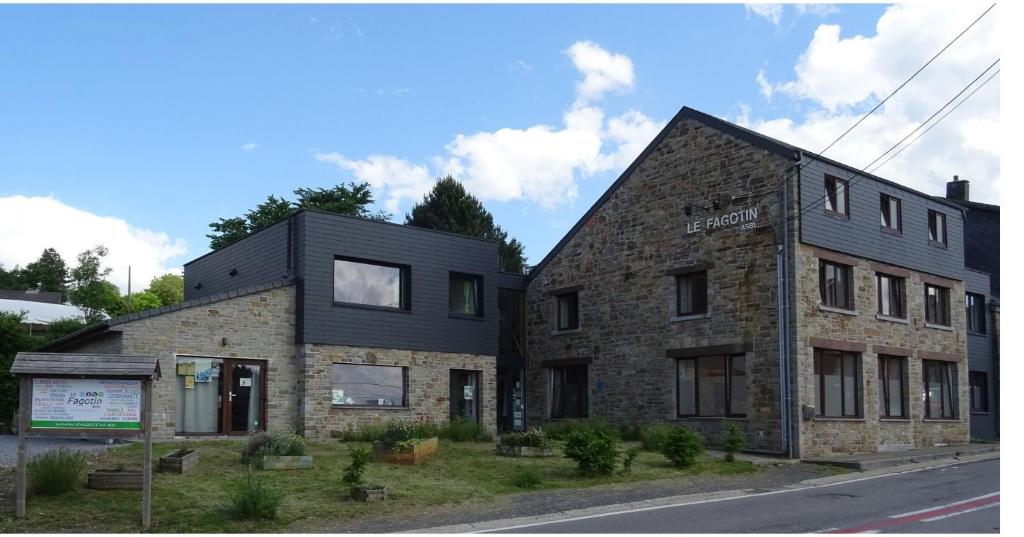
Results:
980 349
260 258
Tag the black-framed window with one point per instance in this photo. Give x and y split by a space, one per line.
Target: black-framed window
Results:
465 294
892 213
979 391
837 195
837 384
712 386
692 293
892 295
975 312
836 282
937 226
939 387
568 310
569 390
368 385
892 377
371 283
936 305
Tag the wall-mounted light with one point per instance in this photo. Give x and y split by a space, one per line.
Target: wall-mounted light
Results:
688 210
716 204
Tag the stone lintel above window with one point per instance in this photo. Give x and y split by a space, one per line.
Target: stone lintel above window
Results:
936 280
829 255
565 290
892 351
940 356
693 352
688 269
891 270
837 344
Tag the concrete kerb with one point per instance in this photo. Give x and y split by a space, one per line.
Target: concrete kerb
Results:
678 501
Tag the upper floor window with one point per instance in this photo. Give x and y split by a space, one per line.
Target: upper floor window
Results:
692 293
465 294
892 213
936 305
371 283
837 195
368 385
892 296
837 384
712 386
939 387
568 311
979 391
836 282
975 313
936 227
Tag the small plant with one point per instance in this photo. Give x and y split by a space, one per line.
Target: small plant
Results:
533 437
460 430
255 500
595 450
735 441
526 477
682 447
266 444
396 432
627 460
258 445
653 437
353 476
55 472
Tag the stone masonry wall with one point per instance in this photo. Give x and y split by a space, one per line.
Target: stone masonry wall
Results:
620 258
428 377
822 436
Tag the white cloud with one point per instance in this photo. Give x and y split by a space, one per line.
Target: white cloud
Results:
771 12
539 163
249 146
30 224
764 86
839 78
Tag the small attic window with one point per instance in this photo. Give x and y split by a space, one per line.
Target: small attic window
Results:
233 273
198 285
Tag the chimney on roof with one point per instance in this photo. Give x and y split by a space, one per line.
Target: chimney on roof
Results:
958 190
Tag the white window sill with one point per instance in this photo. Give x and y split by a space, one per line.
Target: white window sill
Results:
881 317
693 317
830 309
938 327
565 332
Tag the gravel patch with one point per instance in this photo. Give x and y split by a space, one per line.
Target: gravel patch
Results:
9 447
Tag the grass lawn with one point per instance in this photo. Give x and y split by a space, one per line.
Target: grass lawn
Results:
200 501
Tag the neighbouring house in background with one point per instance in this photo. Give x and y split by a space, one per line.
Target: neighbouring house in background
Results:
40 308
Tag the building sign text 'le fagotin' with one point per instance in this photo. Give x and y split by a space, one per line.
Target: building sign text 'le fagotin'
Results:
745 218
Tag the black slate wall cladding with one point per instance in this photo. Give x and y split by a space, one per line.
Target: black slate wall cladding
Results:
979 356
260 258
861 235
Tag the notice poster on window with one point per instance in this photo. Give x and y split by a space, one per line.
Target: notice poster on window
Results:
86 404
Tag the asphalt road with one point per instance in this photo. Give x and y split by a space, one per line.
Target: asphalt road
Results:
962 498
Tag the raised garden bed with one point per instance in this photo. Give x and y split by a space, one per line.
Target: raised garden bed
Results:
523 451
114 478
414 454
369 493
286 462
179 461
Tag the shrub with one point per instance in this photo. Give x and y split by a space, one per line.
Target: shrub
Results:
55 472
627 460
255 500
397 433
460 430
267 444
533 437
735 441
353 476
631 432
682 447
526 477
426 429
653 437
595 451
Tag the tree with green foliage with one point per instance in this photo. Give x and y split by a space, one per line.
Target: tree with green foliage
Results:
13 339
140 301
169 288
13 279
352 200
449 207
49 272
90 289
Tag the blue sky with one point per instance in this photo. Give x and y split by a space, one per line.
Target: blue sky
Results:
165 118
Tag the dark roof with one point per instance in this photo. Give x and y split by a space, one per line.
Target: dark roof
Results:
48 297
59 363
778 147
102 326
972 205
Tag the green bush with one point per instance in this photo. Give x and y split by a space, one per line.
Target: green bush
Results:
595 450
526 477
653 437
459 430
397 433
253 499
735 441
627 460
631 432
682 447
353 476
55 472
533 437
267 444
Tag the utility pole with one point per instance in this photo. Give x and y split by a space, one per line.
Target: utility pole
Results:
129 288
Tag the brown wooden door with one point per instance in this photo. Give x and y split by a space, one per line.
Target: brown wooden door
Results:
245 388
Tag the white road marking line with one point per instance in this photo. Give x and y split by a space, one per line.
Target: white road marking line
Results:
979 508
937 507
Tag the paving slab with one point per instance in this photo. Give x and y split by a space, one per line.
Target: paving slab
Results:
885 459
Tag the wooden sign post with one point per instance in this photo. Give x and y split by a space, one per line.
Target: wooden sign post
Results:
86 396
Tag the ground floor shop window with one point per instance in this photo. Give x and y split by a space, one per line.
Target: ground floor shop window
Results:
220 395
464 389
367 385
569 391
939 383
712 386
892 375
837 384
979 391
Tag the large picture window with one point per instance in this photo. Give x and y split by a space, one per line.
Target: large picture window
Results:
712 386
939 384
892 376
836 282
692 293
837 195
465 295
892 293
979 391
975 313
371 284
837 383
568 311
936 305
368 385
892 213
937 227
569 391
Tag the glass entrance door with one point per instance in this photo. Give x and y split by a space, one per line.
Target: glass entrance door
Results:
244 409
465 395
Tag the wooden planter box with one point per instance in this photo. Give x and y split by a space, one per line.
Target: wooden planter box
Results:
179 461
370 493
410 455
283 462
523 451
110 478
